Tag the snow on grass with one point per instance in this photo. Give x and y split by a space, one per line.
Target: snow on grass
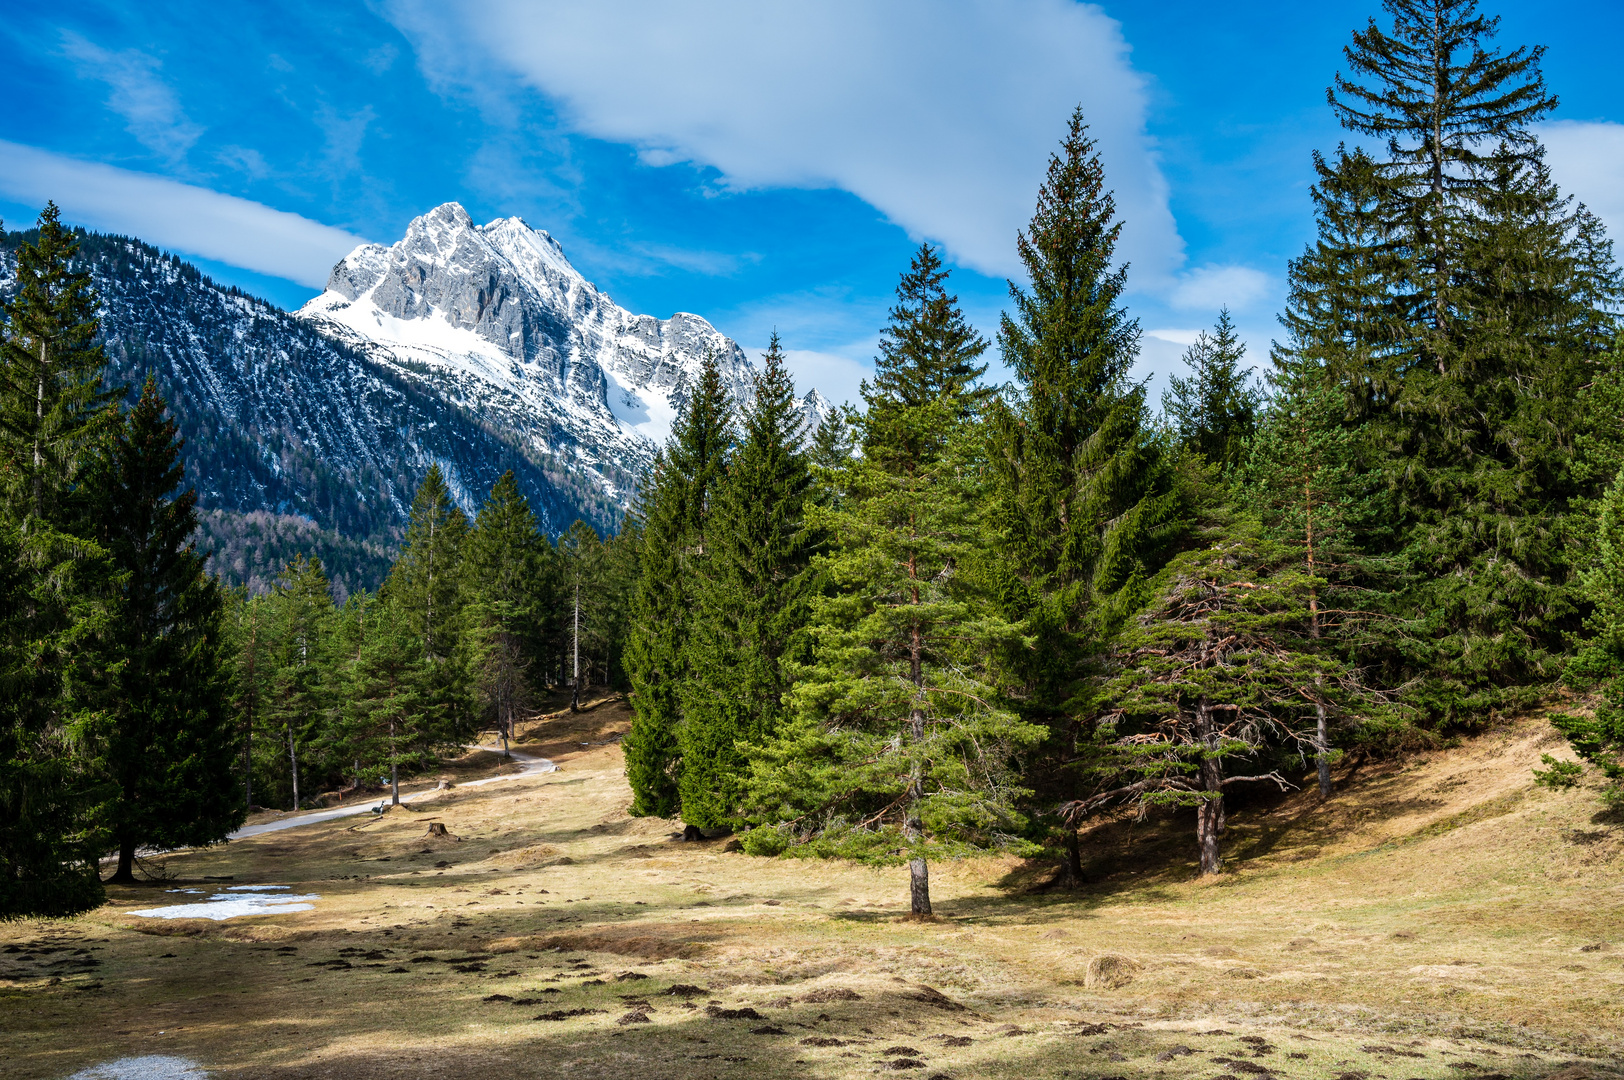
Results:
234 903
154 1067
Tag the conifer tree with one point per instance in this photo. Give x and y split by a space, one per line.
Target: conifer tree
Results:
506 579
674 514
52 608
1486 311
1445 104
164 738
750 605
1214 410
899 748
426 580
53 406
1221 665
305 683
392 713
250 675
1301 480
1083 504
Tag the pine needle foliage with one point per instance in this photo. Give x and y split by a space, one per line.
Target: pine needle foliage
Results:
900 748
53 406
1222 665
509 584
163 735
1083 500
673 517
751 601
1214 409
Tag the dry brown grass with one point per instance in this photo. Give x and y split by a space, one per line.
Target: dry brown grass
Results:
1440 918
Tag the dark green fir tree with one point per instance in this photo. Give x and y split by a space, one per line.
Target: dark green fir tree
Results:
751 603
675 511
900 749
165 738
53 406
508 584
1083 503
1214 408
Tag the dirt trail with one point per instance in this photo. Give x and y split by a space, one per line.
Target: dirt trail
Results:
529 766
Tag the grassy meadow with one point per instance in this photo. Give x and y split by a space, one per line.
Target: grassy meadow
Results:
1440 918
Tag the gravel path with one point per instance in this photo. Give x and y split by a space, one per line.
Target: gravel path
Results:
144 1068
529 765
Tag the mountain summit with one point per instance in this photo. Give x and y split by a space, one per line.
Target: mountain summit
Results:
495 318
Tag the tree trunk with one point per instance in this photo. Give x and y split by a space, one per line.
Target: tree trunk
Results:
394 773
293 760
575 679
125 874
1209 821
1322 742
919 885
1073 874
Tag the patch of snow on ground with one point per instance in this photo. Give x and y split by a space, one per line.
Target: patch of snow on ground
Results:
154 1067
240 900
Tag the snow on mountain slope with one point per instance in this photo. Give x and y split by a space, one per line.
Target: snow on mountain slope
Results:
495 318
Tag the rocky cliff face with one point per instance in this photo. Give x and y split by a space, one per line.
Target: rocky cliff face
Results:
495 318
478 348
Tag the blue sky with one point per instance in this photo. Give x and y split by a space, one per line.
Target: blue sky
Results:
764 165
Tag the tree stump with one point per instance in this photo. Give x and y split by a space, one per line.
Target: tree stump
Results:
437 828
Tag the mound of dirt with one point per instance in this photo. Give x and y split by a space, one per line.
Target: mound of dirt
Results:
831 993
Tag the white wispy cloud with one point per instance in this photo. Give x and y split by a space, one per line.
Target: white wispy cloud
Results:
1587 159
939 113
173 215
151 110
1208 288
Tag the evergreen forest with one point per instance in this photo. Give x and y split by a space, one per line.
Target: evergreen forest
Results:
960 616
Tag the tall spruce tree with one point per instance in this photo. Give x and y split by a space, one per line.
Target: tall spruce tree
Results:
53 406
751 603
52 608
391 713
1214 409
674 514
1481 325
305 684
164 738
55 581
506 579
1083 503
899 748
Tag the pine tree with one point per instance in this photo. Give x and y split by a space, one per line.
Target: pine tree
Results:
165 738
1222 664
305 683
751 605
426 580
1214 411
53 407
251 671
52 608
927 353
899 748
392 713
1301 479
1598 740
506 580
1083 503
1487 308
1445 104
673 515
